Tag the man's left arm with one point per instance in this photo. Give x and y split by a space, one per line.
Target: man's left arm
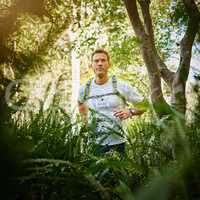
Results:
131 95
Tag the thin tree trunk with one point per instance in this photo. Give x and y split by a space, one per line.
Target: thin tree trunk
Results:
75 67
179 82
159 103
145 34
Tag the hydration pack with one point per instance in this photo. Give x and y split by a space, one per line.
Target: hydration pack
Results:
115 91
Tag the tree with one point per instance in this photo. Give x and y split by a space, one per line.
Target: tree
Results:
157 69
29 32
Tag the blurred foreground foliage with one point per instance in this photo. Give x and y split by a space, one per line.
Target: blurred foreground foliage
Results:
50 156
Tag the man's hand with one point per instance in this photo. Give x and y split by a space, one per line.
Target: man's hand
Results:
123 114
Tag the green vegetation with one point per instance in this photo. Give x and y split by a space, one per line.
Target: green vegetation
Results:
53 159
45 150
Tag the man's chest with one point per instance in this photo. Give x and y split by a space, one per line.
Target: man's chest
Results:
104 99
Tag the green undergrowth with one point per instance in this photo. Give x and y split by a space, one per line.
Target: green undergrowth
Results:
54 158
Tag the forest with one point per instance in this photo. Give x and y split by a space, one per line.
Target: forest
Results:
45 56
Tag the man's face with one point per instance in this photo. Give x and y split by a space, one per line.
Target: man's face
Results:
100 64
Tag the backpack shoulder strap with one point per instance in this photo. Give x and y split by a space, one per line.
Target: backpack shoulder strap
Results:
87 89
114 84
115 90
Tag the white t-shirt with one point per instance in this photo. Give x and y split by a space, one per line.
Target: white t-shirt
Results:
104 106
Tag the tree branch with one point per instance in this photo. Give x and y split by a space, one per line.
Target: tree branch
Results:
166 74
136 22
147 18
188 40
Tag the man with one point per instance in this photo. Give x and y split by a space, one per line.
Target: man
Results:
102 104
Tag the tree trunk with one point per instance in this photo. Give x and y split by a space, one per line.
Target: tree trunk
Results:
179 82
155 66
159 103
145 35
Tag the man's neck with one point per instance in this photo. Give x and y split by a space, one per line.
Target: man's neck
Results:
101 81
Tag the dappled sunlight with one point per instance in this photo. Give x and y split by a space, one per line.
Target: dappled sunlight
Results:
139 137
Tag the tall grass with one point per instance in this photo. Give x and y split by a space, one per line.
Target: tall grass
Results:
161 160
52 134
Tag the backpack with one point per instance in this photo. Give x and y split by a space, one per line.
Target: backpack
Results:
115 91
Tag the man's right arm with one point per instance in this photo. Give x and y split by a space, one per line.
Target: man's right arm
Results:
82 106
83 110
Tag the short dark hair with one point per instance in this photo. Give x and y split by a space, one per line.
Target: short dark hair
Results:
101 51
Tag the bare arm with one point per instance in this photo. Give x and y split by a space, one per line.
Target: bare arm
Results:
83 110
